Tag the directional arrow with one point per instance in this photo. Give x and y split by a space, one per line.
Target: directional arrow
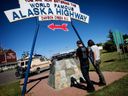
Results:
62 27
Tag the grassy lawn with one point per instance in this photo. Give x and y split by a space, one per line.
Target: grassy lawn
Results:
114 62
12 89
118 88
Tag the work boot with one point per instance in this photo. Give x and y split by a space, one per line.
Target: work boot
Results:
101 83
82 80
90 89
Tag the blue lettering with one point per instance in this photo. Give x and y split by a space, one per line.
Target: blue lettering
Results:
71 14
50 11
22 16
36 11
32 5
81 17
37 4
77 15
30 12
48 5
15 16
85 18
59 12
42 11
66 12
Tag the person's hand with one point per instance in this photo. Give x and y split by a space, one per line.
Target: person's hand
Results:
95 62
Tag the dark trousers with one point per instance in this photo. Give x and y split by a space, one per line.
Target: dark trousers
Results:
85 73
98 71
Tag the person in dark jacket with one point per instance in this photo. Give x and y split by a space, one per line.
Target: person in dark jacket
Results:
82 54
94 54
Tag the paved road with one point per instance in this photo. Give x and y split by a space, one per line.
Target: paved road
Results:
7 77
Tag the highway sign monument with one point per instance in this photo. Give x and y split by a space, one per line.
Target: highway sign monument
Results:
45 10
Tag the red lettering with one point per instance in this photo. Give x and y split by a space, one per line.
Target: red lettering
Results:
48 0
65 2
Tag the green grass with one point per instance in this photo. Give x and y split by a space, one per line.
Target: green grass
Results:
118 88
114 61
12 89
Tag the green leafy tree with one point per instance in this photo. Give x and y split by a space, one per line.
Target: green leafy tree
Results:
25 54
110 45
99 44
125 36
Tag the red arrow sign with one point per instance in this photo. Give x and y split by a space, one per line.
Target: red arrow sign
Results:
62 27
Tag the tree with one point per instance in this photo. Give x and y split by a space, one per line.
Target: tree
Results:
110 36
125 36
25 54
99 44
110 45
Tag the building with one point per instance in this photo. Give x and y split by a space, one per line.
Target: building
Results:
7 56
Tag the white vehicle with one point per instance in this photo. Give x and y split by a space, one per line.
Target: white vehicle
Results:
38 64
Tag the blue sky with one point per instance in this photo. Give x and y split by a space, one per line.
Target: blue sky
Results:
104 15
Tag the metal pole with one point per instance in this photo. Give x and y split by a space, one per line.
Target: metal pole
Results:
30 60
91 58
77 34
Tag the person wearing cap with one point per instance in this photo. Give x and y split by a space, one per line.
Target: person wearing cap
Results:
94 56
82 54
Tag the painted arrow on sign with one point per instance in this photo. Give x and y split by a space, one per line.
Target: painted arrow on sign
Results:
54 27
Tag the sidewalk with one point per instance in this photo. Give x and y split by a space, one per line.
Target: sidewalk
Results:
37 85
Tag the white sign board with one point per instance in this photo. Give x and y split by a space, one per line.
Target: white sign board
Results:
47 10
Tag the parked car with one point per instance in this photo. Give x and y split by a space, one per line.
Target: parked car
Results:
39 63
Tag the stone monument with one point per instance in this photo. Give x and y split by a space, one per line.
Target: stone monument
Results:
61 72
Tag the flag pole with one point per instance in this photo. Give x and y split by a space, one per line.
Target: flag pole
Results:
30 59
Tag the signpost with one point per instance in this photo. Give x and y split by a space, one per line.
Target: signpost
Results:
77 33
30 60
46 10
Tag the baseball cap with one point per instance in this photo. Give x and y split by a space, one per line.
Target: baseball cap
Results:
79 42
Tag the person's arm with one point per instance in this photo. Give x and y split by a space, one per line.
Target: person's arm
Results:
77 54
90 55
93 55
